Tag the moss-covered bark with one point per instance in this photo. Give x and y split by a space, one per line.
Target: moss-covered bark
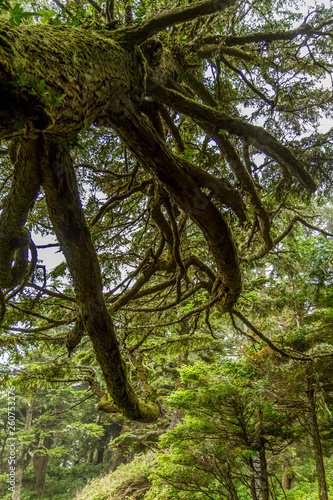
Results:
174 174
212 121
67 217
91 69
14 240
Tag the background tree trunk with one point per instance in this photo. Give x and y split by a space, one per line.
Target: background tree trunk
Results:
311 403
23 459
263 472
40 461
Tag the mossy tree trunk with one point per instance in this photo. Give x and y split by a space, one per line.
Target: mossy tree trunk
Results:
40 462
311 383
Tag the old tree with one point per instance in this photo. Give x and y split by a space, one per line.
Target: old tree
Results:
170 147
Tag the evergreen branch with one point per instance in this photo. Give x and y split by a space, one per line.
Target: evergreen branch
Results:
39 329
264 338
179 300
246 81
212 120
51 293
73 406
32 313
120 197
234 40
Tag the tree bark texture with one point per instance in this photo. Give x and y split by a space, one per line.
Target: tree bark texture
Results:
91 69
40 461
64 207
25 155
263 472
23 458
312 412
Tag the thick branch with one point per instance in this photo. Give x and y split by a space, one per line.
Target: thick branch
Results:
233 40
149 271
140 33
221 189
242 174
174 174
14 239
67 217
212 120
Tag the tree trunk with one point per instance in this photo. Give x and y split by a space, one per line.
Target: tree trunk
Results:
23 459
117 458
104 68
40 461
104 441
100 453
255 484
264 485
287 480
311 404
287 472
92 446
91 452
64 206
253 487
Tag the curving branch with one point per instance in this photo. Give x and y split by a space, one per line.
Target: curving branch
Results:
295 219
111 202
207 51
142 32
241 172
174 175
212 121
66 214
74 336
264 338
246 81
14 238
268 37
261 252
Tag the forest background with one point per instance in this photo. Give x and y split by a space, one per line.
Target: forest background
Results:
177 159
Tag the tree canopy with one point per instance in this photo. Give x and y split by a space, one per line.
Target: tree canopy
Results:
170 147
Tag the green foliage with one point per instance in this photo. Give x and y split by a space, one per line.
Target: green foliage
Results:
16 14
306 487
129 479
32 86
227 416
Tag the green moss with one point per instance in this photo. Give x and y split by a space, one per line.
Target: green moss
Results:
92 71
